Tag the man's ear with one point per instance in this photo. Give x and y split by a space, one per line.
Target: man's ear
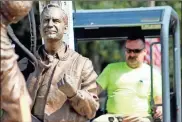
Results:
145 51
65 29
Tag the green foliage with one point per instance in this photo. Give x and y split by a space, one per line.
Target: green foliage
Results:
104 49
101 52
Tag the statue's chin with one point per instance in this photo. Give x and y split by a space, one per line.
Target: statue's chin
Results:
52 38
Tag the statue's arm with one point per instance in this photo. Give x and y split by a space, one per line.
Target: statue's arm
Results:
86 101
15 100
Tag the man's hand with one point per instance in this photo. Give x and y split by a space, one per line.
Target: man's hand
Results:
135 119
67 86
158 112
158 109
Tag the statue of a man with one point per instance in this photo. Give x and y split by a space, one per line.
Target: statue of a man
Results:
63 87
15 100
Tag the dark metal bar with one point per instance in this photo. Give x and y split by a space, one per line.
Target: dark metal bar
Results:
33 30
152 102
165 65
177 68
15 39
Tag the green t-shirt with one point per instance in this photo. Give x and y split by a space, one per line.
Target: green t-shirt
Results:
129 89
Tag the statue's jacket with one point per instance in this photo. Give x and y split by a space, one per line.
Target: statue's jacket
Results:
49 103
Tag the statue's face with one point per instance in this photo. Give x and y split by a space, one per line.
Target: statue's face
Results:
52 26
13 11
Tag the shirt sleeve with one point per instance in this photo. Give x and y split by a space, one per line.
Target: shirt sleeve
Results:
103 79
157 84
86 101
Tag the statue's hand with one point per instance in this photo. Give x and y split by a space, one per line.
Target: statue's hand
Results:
67 86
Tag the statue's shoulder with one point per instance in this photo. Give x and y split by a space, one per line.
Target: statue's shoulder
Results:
77 55
77 59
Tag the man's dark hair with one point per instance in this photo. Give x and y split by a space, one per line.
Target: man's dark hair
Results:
135 34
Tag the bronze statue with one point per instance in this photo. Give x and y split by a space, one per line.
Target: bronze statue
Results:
63 86
15 100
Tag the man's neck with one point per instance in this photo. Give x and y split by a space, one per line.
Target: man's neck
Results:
52 47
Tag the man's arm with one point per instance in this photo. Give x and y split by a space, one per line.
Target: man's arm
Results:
158 110
158 99
157 95
99 89
86 101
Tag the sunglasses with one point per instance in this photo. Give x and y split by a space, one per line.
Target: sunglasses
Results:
133 50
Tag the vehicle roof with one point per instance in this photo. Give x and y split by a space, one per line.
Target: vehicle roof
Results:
119 17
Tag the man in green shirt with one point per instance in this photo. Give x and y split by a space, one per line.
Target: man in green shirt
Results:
128 85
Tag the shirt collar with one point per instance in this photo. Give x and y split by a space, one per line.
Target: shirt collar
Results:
61 54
